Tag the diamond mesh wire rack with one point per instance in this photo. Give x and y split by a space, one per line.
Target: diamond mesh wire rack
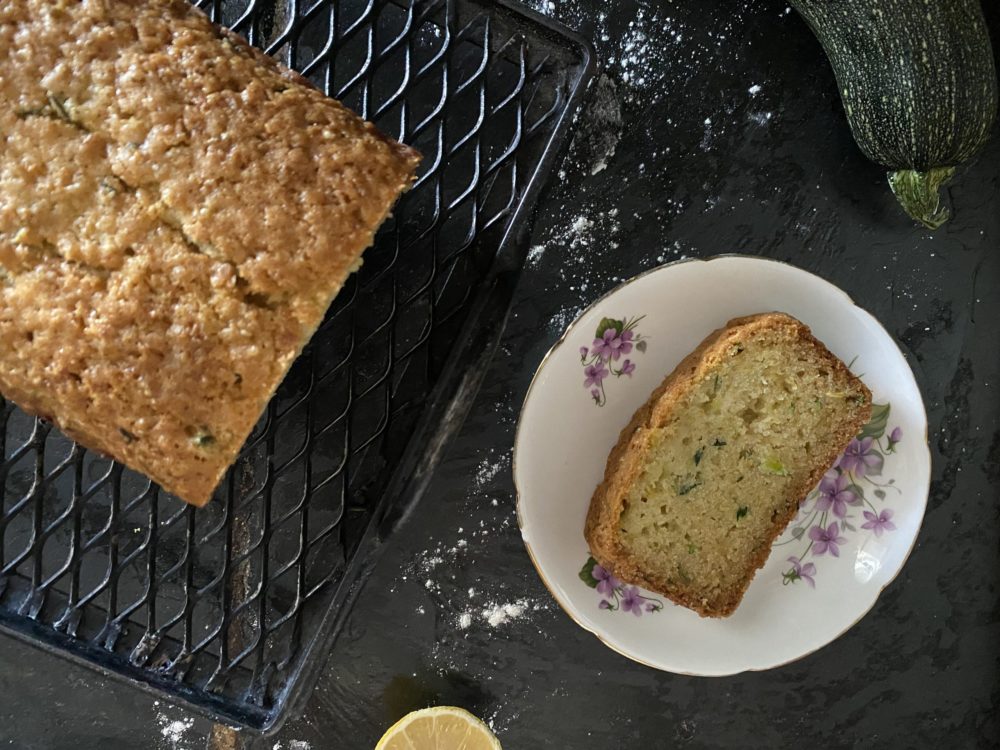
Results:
228 608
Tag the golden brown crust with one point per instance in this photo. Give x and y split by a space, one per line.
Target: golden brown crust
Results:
626 459
177 211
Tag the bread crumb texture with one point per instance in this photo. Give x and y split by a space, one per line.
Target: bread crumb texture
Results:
713 467
177 211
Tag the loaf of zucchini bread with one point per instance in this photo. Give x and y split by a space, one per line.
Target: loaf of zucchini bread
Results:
177 212
713 466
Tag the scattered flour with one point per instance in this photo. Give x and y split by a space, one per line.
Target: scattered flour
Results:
497 614
545 7
173 730
706 140
445 571
561 320
580 245
500 719
580 225
644 51
437 567
489 467
500 614
657 51
535 254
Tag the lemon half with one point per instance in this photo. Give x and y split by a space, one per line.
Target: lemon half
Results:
439 728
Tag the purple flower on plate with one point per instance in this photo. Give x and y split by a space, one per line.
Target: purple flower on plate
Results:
595 374
606 583
894 437
595 394
879 523
632 601
612 345
602 344
834 493
826 540
625 344
805 572
615 595
861 458
613 339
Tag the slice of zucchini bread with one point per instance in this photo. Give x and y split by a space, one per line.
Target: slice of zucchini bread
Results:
713 466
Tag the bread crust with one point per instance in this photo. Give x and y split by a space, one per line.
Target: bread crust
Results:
177 212
626 460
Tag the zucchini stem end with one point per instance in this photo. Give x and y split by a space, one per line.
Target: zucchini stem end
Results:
919 194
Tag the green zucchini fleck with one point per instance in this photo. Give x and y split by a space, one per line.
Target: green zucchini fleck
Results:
686 487
59 107
773 465
203 438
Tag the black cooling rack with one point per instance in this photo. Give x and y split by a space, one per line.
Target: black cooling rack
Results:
231 608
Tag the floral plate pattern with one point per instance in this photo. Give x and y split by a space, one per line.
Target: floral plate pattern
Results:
829 511
824 516
613 339
852 533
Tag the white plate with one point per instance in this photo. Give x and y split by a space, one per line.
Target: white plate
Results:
793 607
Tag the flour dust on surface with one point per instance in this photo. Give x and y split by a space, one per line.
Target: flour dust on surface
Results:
175 732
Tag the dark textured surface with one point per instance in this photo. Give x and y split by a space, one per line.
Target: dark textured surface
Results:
920 670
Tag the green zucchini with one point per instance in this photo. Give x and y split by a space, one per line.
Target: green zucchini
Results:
919 87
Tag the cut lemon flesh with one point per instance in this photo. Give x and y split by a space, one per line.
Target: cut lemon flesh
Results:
439 728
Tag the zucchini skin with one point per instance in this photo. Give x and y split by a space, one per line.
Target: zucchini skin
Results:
918 84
